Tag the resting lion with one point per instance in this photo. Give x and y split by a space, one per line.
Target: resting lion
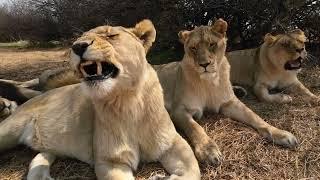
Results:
113 120
201 82
274 65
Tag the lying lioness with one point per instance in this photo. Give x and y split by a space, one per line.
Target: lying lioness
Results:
201 82
274 65
113 120
13 93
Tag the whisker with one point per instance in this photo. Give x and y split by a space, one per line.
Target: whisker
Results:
312 58
310 55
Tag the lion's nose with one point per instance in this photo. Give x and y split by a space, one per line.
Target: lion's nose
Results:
80 48
204 65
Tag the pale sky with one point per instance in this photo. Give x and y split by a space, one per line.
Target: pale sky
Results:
3 1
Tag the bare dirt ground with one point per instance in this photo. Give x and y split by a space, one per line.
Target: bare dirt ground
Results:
246 154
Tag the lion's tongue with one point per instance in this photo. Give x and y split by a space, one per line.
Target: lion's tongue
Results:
295 64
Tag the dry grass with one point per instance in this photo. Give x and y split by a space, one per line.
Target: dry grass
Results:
246 154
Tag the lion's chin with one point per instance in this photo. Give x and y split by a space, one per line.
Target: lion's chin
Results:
208 75
99 89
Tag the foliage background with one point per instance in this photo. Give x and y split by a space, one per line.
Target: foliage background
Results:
63 20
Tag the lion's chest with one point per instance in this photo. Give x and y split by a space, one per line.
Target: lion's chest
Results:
217 96
280 81
132 135
114 140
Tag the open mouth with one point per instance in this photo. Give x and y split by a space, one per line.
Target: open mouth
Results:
96 70
293 64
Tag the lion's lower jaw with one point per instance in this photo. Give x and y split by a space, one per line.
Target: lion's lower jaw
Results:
294 72
99 90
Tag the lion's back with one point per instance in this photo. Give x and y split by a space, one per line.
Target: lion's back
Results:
243 66
168 75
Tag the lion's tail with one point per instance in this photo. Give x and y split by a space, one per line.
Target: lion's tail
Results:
239 91
11 131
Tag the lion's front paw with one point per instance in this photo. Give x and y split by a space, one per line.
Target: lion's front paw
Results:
163 177
6 107
208 153
39 173
283 138
314 100
284 98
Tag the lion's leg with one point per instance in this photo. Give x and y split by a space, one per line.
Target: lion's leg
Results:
16 93
7 107
236 110
262 93
29 93
179 161
205 148
39 168
113 171
299 88
25 84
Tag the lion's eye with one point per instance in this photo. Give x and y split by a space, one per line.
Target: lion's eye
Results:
213 45
193 48
112 35
299 50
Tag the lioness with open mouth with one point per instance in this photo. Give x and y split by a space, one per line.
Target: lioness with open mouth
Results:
273 65
201 82
113 120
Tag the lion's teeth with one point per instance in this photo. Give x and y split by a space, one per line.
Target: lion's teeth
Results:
83 72
87 63
99 68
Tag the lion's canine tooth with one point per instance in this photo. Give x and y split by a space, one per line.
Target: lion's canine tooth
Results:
99 68
83 72
87 63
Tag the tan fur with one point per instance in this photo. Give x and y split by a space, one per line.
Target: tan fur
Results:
263 68
113 123
189 90
51 79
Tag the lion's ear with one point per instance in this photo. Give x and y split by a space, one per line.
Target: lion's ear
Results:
183 36
297 31
298 34
269 38
220 26
145 31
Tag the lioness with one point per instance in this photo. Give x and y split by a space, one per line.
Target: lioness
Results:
201 82
274 65
113 120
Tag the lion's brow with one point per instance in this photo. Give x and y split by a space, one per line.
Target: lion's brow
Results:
297 39
131 34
